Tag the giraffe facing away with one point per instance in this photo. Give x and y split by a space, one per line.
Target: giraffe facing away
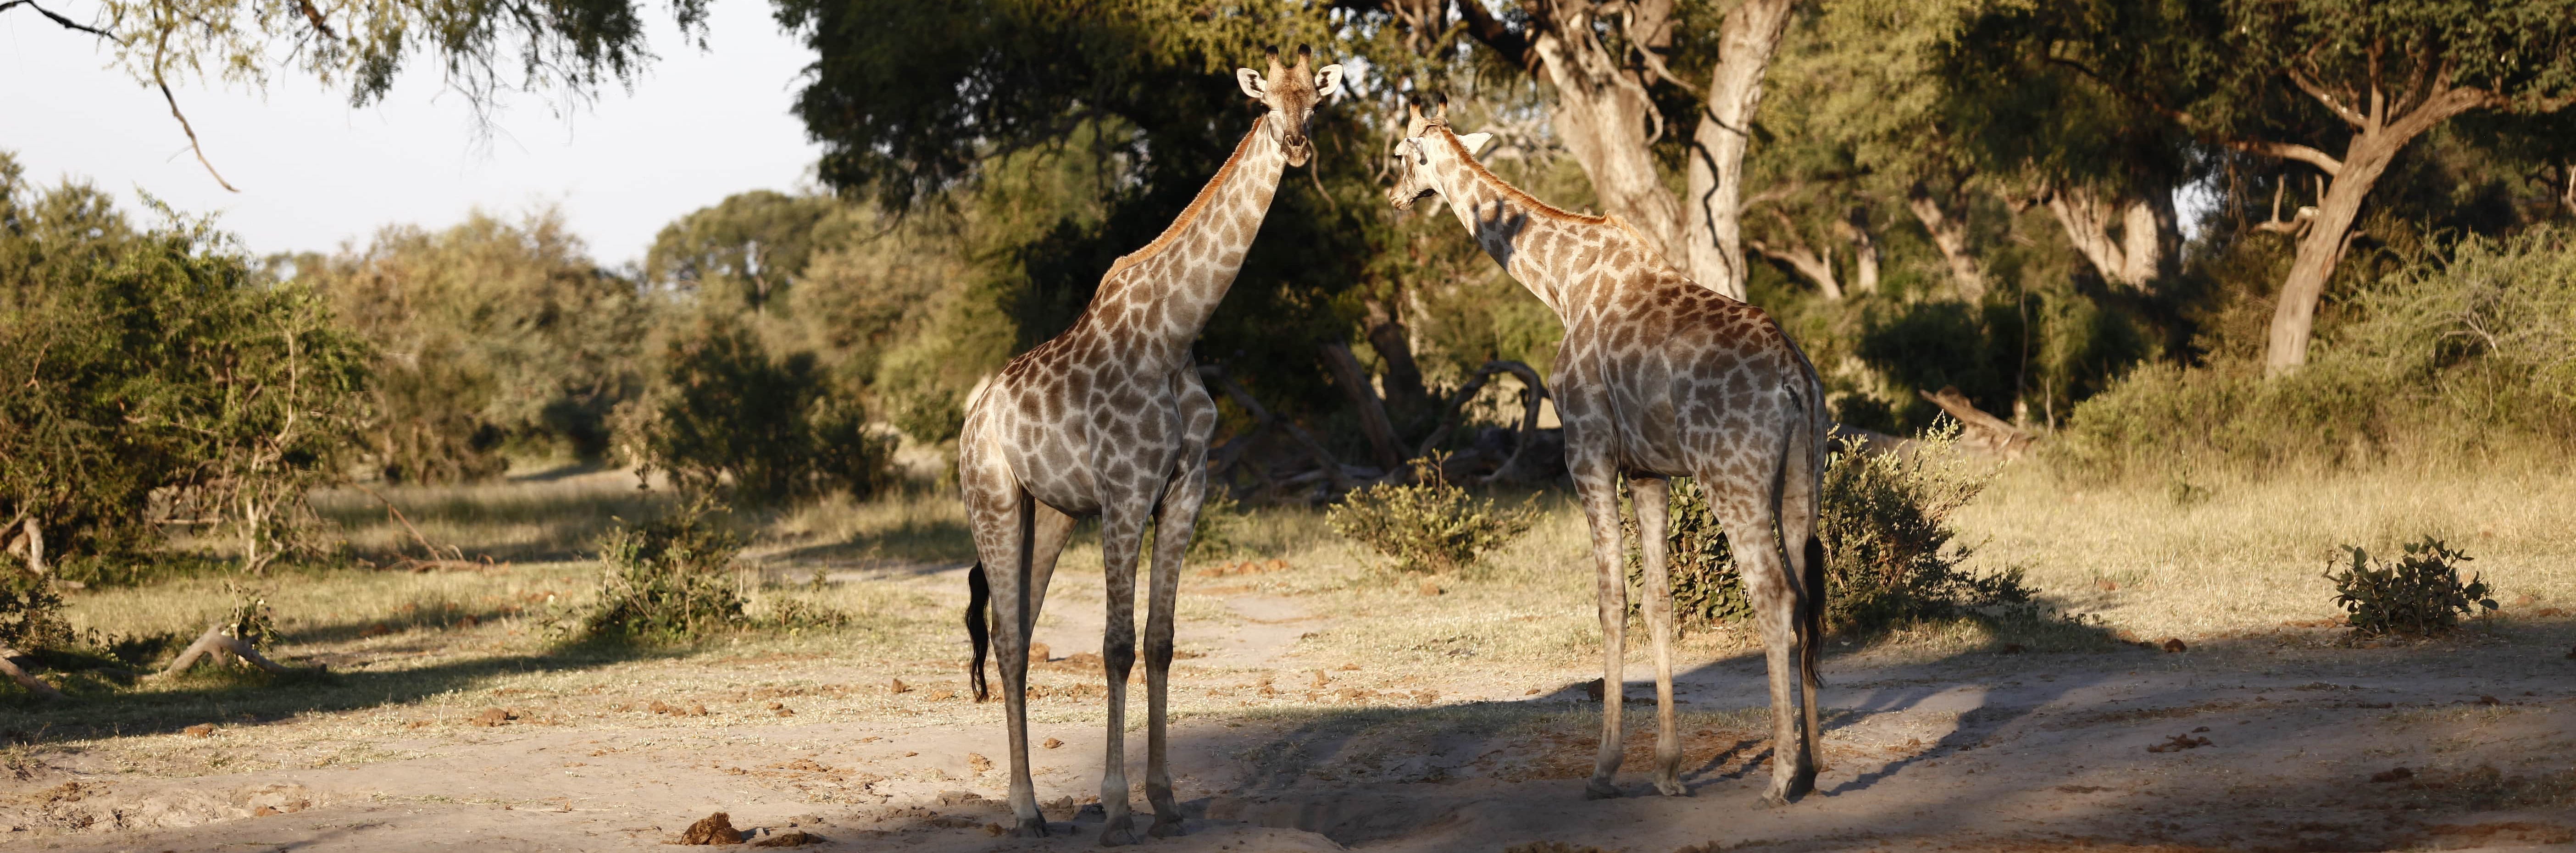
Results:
1109 418
1660 377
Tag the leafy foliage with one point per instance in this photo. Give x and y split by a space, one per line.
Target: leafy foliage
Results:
2417 595
160 362
1429 525
669 580
1889 558
727 414
494 337
31 614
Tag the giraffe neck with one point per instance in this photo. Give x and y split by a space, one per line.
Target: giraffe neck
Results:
1536 243
1157 298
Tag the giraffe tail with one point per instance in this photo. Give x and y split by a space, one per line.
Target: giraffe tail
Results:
1807 444
1813 619
978 631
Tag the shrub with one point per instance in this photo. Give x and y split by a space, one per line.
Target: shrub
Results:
1884 524
727 413
31 614
670 580
1429 525
2417 595
1707 587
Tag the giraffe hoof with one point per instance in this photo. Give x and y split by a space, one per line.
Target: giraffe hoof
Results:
1167 828
1601 790
1773 799
1118 833
1030 828
1672 788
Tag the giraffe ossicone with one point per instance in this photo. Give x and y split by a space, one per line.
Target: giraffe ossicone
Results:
1110 419
1660 377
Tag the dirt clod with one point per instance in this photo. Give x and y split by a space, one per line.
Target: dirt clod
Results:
2107 585
658 708
493 717
2179 743
942 695
1039 653
795 838
1429 588
2394 774
977 762
1052 743
2489 700
2012 649
897 687
2174 645
713 829
265 811
201 730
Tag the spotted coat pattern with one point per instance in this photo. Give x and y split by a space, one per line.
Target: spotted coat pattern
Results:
1660 377
1110 419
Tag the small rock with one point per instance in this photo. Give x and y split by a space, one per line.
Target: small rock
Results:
942 695
1429 588
898 687
265 811
2011 649
493 717
794 838
697 710
784 712
2174 645
778 705
1350 667
201 730
1039 653
1052 743
977 762
713 829
659 708
2395 774
2489 700
1321 679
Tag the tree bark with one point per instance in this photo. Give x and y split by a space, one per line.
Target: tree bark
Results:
1394 344
1949 234
1604 114
1864 249
2140 254
31 683
1373 421
1714 192
1812 264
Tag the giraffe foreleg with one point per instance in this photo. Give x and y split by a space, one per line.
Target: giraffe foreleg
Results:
1596 483
1121 529
1172 535
1652 497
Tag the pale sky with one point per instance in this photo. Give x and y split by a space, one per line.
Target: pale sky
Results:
313 172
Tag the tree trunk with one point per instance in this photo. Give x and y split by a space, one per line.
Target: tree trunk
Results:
1394 345
1747 38
1864 249
1812 264
2140 254
1950 235
1606 118
1373 421
2294 315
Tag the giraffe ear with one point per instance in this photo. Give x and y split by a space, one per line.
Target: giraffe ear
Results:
1251 81
1475 142
1328 82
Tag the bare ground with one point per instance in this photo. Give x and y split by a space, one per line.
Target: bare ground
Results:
1286 740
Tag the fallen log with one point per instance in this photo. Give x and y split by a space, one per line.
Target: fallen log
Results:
217 644
1985 432
10 668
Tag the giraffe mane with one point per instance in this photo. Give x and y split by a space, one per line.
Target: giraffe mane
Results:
1545 209
1189 214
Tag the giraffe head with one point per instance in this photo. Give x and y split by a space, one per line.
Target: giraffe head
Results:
1291 93
1425 138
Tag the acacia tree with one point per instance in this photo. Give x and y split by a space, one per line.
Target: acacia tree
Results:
2289 79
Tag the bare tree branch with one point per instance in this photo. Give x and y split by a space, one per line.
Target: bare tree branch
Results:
66 22
2309 85
158 50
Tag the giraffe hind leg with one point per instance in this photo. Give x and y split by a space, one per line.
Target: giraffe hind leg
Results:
1172 534
1597 485
1652 497
999 513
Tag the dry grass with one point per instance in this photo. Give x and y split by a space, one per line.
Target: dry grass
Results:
2229 557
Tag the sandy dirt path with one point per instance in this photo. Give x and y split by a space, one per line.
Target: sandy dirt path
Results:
2289 749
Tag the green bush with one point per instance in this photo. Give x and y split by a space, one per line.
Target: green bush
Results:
670 580
728 414
1885 527
2418 595
2465 355
1429 525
